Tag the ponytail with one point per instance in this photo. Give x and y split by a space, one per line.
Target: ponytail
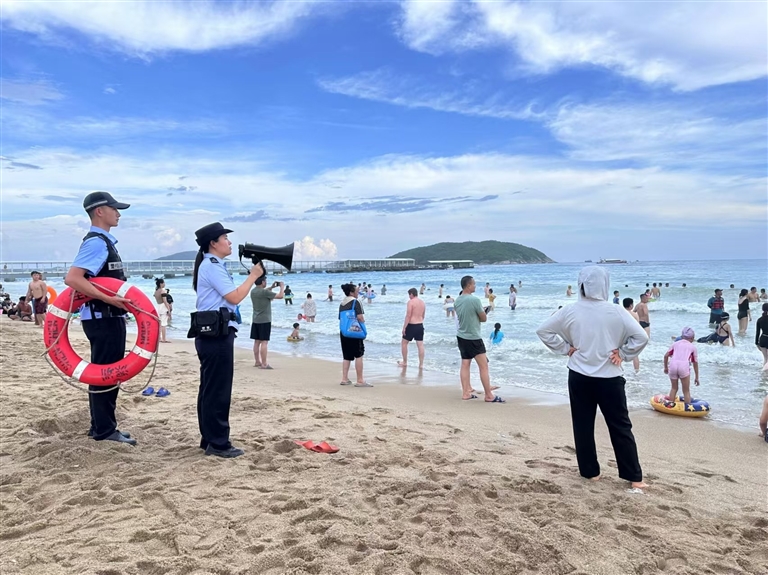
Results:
198 261
496 329
159 282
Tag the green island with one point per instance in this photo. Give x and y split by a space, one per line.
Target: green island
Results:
487 252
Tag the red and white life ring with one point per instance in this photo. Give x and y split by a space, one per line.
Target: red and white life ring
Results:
67 359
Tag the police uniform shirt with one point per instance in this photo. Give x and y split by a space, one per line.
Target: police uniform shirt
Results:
213 283
92 257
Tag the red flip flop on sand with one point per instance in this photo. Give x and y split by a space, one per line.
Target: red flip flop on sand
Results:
326 447
322 447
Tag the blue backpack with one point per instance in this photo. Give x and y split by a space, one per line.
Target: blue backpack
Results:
349 326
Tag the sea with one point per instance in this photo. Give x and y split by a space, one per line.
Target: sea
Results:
731 377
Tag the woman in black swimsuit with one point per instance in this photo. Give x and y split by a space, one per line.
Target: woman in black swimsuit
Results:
723 334
761 335
743 314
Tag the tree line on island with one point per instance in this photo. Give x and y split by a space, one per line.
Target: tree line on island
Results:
487 252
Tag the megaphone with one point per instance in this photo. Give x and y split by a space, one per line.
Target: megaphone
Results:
282 256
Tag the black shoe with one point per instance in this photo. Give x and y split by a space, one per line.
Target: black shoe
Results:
120 438
123 433
227 453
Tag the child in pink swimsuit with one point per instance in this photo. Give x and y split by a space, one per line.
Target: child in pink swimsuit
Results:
683 353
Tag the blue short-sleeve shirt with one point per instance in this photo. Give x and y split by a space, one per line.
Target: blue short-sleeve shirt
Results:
91 257
213 283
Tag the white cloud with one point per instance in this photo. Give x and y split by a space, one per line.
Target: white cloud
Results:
307 249
29 92
145 27
688 45
401 90
555 196
109 90
40 125
660 134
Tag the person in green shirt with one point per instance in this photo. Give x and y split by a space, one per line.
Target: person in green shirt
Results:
469 315
261 323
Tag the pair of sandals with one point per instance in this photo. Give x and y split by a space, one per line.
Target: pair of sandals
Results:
162 392
358 384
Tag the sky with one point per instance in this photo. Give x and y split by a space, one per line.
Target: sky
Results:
633 130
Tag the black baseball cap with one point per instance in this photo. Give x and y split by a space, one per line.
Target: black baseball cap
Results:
209 233
98 199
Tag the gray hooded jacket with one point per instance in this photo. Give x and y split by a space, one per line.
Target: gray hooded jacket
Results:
595 327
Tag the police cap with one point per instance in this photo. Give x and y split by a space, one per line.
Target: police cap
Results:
209 233
98 199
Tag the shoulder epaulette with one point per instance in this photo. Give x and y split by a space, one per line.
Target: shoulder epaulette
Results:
214 260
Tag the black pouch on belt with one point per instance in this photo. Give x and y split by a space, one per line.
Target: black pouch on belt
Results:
210 324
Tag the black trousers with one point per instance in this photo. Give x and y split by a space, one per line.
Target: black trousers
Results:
587 393
107 337
217 367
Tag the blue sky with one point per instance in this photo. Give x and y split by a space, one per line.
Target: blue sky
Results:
613 129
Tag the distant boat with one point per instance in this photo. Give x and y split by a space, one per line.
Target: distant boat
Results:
610 261
587 261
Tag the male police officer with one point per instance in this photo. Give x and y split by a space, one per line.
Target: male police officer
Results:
102 318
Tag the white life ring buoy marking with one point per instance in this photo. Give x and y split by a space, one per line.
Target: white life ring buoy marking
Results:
124 289
57 311
141 352
78 373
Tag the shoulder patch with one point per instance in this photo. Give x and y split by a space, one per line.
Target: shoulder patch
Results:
214 260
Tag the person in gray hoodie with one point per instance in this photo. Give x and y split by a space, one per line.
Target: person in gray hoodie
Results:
597 337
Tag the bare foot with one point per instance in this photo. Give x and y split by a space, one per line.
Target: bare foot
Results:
495 387
402 363
596 478
638 485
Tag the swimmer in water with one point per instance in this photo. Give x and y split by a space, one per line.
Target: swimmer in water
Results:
496 335
449 311
295 333
569 291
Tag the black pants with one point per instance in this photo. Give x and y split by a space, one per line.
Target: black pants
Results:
587 393
107 337
217 366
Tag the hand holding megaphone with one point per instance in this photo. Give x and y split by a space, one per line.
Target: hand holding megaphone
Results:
257 271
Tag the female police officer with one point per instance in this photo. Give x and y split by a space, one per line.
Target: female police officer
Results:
214 334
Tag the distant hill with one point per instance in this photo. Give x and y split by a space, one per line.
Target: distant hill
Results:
488 252
190 255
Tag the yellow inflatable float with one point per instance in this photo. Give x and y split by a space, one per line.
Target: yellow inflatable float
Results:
697 407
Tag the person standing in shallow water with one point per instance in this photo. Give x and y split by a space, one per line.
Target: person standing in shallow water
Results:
352 349
597 337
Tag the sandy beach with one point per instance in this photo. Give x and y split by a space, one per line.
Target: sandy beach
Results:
424 483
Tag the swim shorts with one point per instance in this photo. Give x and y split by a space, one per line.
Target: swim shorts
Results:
414 331
645 324
40 305
470 348
261 331
679 369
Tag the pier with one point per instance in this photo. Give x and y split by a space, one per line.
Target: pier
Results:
16 271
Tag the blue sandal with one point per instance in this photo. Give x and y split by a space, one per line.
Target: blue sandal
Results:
162 392
148 391
496 399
